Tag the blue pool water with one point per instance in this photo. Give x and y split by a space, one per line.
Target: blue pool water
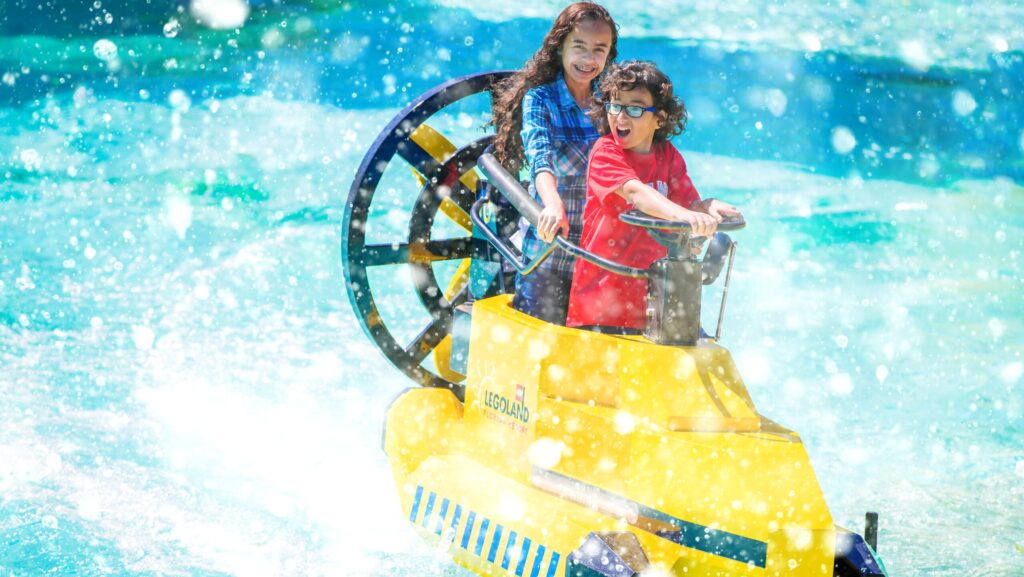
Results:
186 391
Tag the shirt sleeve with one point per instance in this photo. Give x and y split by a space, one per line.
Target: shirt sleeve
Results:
608 171
536 134
681 190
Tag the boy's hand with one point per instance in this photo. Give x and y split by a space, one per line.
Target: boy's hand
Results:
552 221
719 210
701 224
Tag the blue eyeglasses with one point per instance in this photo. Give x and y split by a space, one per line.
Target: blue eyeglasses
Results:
631 111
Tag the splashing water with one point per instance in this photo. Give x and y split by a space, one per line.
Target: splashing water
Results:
185 390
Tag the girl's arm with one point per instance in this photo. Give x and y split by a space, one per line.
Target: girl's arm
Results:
650 201
552 219
536 136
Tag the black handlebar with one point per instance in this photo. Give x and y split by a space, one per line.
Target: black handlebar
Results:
530 209
668 232
643 220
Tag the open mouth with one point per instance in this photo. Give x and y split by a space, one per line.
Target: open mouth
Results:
585 69
622 133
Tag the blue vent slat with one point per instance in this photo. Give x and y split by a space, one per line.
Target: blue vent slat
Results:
507 557
537 561
429 509
441 517
524 552
494 544
470 519
416 504
483 535
554 564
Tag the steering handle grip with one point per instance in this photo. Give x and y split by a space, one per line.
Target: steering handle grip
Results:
637 218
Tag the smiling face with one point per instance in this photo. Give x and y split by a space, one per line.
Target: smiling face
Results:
585 52
634 134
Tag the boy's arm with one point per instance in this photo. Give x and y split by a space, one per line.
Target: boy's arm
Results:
650 201
715 208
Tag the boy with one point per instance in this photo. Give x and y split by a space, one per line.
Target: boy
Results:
633 165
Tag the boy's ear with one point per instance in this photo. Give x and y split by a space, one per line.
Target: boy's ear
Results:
662 117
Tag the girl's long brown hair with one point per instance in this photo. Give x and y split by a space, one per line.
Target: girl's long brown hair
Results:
541 68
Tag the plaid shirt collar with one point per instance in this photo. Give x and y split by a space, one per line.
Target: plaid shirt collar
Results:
564 97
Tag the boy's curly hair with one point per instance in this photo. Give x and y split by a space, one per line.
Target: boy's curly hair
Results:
634 74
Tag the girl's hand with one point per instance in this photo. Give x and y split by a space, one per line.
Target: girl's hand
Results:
719 210
701 224
551 221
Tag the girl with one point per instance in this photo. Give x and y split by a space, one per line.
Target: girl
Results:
633 165
540 115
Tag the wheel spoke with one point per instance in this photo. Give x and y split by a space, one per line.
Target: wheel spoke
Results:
430 337
447 185
416 252
456 214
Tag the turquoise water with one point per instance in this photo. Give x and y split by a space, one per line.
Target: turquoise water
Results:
185 389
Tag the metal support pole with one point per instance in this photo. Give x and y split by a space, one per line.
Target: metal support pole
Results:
871 530
725 293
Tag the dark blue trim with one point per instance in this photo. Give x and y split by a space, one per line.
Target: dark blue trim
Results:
524 552
692 535
709 540
469 529
498 530
416 505
429 509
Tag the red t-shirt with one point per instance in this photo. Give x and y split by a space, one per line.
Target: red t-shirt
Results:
600 297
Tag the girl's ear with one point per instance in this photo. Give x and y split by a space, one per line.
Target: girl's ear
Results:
662 118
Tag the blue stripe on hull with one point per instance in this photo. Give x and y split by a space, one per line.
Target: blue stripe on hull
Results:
554 564
429 509
494 544
483 535
508 557
454 527
441 517
415 505
537 561
469 529
524 552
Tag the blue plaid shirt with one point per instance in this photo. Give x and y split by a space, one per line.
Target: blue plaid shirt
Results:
557 137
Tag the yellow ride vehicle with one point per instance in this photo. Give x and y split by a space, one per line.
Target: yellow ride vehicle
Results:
539 450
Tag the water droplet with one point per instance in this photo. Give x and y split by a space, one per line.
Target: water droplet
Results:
220 14
179 100
105 50
881 373
30 158
172 28
143 337
963 102
841 384
843 140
